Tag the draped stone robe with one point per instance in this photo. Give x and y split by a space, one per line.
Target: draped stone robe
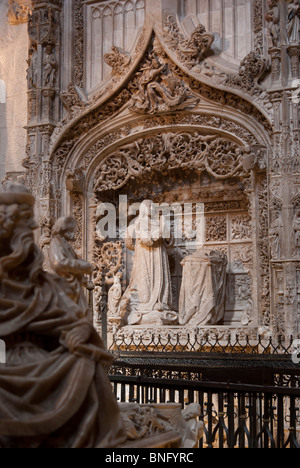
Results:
202 296
49 396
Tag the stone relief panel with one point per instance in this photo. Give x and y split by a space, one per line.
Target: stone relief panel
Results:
19 11
110 25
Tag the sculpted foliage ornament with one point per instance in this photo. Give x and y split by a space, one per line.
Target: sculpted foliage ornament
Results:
164 152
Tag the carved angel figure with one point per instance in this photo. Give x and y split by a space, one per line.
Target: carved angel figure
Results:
117 59
160 91
293 27
195 48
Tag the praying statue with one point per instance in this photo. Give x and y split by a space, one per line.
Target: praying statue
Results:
114 296
148 299
54 392
65 262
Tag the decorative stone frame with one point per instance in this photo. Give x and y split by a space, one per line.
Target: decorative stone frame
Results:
92 131
83 162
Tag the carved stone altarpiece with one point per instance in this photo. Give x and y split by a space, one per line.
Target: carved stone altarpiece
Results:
173 125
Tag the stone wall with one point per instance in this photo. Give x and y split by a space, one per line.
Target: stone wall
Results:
13 84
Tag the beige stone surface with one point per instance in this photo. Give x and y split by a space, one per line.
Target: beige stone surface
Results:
13 111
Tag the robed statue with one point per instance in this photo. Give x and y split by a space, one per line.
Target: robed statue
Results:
148 299
65 262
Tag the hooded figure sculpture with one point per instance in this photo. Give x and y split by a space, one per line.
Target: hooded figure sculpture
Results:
54 392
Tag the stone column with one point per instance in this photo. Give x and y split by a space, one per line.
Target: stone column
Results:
284 176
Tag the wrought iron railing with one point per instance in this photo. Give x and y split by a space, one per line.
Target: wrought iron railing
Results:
234 415
247 399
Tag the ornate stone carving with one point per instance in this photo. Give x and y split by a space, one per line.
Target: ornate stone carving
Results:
19 11
273 19
241 227
293 21
108 261
160 424
148 299
192 51
118 60
109 258
72 101
75 181
114 297
43 22
158 90
216 228
32 73
65 263
263 237
50 67
202 297
276 230
251 72
242 258
115 163
220 157
296 235
79 44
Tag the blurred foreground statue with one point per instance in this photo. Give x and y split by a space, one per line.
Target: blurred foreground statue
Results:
54 392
